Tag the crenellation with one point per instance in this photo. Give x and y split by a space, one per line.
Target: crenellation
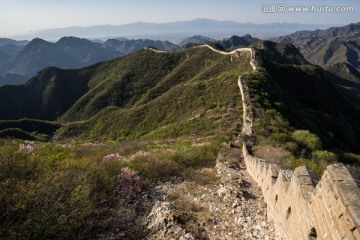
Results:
302 203
301 206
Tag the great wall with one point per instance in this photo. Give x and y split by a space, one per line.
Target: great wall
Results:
301 206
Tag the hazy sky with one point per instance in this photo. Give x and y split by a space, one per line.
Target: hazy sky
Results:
24 16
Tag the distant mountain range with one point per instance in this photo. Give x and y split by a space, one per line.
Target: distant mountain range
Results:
337 50
129 46
68 52
18 63
174 31
8 41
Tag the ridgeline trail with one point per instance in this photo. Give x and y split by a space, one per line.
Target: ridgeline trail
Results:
234 203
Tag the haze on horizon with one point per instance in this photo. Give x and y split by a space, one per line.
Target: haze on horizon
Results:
23 16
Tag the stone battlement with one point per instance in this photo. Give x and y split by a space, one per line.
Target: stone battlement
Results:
304 208
301 206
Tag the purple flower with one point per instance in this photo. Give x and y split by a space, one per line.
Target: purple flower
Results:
128 183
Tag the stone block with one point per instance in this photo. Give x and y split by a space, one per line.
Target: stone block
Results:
304 180
354 212
356 234
305 175
340 207
316 211
329 200
338 172
329 186
336 229
348 191
349 221
344 226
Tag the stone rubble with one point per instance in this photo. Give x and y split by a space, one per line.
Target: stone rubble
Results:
230 208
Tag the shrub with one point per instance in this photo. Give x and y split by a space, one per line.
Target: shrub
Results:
156 167
192 156
280 137
292 147
308 139
128 183
324 156
26 147
318 167
351 158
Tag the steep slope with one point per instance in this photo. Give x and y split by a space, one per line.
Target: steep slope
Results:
186 100
129 82
51 92
192 99
291 94
328 47
335 49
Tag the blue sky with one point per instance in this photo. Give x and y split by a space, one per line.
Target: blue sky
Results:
24 16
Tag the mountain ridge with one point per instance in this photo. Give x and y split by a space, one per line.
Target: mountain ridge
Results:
72 52
181 29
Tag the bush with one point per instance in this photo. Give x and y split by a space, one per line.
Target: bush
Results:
292 147
192 156
128 183
156 167
307 139
324 156
280 137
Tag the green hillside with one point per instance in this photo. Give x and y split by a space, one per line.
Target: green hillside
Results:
201 84
151 118
129 96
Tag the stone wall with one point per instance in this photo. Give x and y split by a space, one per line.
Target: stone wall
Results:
300 206
303 208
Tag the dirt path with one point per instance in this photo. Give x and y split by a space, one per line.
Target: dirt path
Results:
229 208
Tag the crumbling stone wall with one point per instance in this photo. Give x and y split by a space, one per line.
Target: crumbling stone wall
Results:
304 208
301 206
